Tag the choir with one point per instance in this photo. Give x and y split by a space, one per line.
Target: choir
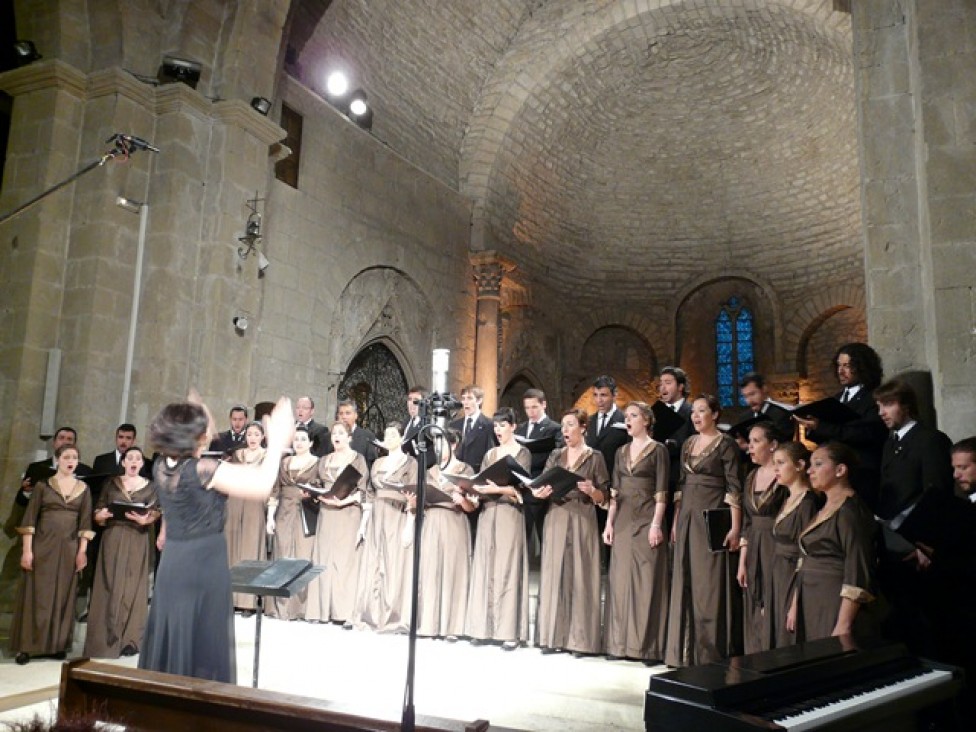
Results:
798 560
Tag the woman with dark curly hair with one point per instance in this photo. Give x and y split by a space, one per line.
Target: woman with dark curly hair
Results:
191 622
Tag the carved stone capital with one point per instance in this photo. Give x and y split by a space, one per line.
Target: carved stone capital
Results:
490 269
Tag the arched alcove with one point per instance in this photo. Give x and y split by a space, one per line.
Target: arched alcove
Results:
820 341
375 380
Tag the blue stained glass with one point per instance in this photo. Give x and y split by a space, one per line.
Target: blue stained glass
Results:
724 345
743 346
734 355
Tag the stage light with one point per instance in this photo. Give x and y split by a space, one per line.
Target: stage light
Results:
25 52
337 84
261 105
179 70
359 110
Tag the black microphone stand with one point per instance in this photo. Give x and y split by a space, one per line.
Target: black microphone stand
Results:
122 148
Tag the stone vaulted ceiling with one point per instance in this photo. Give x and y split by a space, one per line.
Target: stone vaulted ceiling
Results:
614 141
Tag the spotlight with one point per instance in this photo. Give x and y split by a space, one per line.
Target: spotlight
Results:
261 105
240 323
179 69
359 110
337 84
263 264
25 52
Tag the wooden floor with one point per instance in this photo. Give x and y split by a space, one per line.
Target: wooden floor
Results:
521 689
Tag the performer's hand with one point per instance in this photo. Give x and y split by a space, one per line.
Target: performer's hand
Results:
27 561
270 527
543 492
138 518
655 536
807 423
791 618
102 515
279 426
81 560
742 577
586 486
608 535
732 541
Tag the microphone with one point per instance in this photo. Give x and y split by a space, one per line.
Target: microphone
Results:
136 143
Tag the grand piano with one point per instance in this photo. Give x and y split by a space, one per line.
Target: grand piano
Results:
835 684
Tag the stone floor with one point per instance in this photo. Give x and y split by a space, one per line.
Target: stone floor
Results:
523 689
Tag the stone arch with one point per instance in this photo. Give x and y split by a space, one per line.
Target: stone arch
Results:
811 312
382 304
533 57
375 380
511 395
633 363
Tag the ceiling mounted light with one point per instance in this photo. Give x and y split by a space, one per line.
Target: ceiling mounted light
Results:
359 110
179 70
261 105
25 52
337 84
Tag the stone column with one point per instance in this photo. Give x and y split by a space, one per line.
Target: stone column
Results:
489 272
915 95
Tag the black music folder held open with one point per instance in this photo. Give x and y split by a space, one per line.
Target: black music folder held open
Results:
561 481
718 524
666 421
345 483
539 445
830 410
501 472
742 429
432 494
119 509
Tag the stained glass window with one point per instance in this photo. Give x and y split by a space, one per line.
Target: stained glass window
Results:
733 350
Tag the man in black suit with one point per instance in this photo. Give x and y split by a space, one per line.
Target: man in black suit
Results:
110 463
411 425
317 433
537 426
362 440
752 386
477 431
915 501
858 369
605 429
232 439
673 391
964 468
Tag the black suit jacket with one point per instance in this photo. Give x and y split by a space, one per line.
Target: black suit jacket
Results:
916 470
408 430
362 442
782 420
547 428
674 443
225 442
865 435
319 435
479 440
610 440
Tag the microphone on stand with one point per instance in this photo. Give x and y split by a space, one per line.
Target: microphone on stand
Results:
135 143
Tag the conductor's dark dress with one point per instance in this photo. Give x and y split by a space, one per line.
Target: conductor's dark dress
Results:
191 621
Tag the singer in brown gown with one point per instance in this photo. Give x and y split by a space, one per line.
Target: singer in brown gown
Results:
791 461
292 536
386 576
498 600
702 620
445 550
762 499
55 531
120 586
569 579
332 595
245 526
638 583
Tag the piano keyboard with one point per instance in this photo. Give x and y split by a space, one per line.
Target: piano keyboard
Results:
824 711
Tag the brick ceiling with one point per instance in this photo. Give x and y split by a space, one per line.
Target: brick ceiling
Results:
608 141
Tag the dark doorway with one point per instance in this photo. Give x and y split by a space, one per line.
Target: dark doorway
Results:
375 381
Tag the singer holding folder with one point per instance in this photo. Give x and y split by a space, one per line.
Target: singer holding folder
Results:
569 581
246 520
702 621
498 602
332 597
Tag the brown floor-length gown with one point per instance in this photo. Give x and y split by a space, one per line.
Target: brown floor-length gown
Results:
44 611
638 582
245 528
498 599
760 616
703 616
569 579
837 560
445 561
386 574
289 537
332 595
120 588
792 519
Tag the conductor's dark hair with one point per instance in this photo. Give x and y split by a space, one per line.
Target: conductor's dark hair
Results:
126 427
900 391
505 414
865 361
753 377
605 382
534 394
841 454
177 429
967 445
679 376
238 408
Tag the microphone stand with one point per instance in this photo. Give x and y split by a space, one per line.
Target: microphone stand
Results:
121 148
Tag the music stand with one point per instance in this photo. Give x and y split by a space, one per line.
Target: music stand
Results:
278 578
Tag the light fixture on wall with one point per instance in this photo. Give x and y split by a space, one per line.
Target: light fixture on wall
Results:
354 106
261 105
25 52
252 235
359 110
183 70
240 323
